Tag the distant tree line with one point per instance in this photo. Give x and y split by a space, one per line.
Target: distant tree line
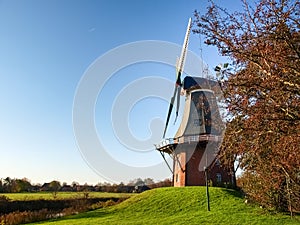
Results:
9 185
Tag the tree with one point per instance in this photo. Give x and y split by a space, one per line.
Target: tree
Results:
262 93
1 186
7 183
148 181
75 185
136 182
54 186
21 185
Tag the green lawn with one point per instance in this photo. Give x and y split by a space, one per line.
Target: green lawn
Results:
180 206
62 195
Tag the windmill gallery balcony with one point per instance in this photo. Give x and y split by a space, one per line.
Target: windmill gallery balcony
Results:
168 145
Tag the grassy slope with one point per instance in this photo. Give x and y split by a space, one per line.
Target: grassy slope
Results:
179 206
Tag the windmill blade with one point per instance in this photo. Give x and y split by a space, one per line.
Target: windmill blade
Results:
181 61
180 64
170 110
179 69
177 103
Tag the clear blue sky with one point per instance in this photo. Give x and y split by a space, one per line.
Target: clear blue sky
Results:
45 48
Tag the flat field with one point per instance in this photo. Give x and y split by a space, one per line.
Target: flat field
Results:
63 195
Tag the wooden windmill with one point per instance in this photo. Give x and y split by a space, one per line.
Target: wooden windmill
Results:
195 145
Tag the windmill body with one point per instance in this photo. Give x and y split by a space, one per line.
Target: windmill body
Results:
196 143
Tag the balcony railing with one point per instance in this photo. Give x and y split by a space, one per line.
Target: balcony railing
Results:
187 139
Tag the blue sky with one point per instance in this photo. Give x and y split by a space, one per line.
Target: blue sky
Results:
45 49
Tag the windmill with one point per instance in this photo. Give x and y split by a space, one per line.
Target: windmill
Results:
195 144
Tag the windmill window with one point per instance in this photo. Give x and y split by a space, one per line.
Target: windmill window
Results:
219 177
177 163
197 122
194 138
178 160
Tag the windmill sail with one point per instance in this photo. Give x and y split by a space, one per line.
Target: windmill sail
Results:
184 48
179 70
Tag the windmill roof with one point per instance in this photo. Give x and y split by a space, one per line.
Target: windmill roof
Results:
198 82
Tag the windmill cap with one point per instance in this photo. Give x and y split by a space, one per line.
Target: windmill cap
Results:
203 83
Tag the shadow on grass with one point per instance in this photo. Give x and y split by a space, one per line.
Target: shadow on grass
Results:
235 193
85 215
92 214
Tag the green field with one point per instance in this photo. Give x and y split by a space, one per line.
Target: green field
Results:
180 206
63 195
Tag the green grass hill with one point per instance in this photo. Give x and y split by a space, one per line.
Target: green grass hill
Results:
180 206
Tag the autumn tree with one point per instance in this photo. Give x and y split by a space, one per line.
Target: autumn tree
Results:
262 92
